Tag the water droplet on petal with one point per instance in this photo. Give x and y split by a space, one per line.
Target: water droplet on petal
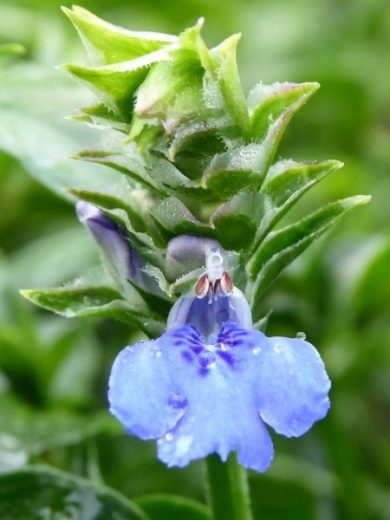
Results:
224 346
300 335
206 359
156 351
168 437
278 348
256 351
177 401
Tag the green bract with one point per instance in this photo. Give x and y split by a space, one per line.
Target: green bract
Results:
197 157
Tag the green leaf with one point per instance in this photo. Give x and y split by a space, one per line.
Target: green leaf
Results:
78 301
235 170
282 246
285 184
237 220
36 431
269 102
173 216
107 43
41 490
163 507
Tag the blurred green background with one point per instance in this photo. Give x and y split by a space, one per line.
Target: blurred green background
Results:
53 372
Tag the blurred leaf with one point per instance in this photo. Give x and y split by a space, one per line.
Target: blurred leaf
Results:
164 507
107 43
11 49
33 129
36 431
281 247
44 491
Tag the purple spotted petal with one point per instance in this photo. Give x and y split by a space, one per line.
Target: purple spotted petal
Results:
292 386
143 391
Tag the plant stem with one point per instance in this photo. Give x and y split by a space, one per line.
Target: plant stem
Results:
228 490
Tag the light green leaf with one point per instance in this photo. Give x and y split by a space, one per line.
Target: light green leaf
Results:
107 43
100 115
163 507
230 84
282 246
55 494
269 102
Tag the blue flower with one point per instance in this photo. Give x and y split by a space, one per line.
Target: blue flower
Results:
211 382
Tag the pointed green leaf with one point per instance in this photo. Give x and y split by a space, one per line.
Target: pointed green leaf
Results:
76 301
230 84
44 492
107 43
282 246
236 221
285 184
163 507
126 160
108 201
269 102
101 115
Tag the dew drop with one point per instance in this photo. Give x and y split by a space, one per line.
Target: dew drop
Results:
168 437
224 346
156 351
256 351
206 359
300 335
177 401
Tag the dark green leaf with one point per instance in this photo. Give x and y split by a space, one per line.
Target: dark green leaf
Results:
47 493
236 221
173 216
170 507
234 170
283 246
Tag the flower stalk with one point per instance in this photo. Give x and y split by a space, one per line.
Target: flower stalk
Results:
227 489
